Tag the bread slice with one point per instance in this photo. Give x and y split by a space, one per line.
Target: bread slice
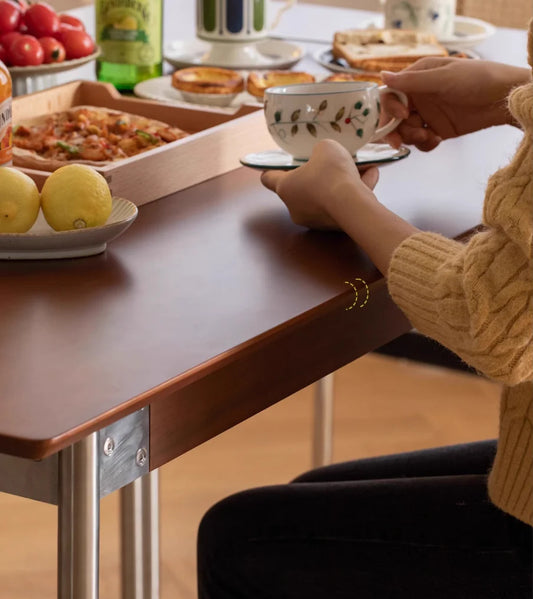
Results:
384 49
258 82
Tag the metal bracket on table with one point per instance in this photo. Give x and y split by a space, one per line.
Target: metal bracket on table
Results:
123 456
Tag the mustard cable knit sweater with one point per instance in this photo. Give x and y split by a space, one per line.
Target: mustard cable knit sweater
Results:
477 299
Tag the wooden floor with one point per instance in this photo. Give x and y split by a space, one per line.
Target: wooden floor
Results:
382 405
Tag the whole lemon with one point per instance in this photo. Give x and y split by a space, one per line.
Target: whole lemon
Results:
75 196
19 201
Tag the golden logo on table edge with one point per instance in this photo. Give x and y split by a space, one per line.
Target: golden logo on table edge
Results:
367 293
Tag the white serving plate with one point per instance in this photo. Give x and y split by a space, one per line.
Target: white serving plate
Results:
41 242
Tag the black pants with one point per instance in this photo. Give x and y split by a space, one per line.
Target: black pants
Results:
414 526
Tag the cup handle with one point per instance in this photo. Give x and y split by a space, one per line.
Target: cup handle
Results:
393 123
288 4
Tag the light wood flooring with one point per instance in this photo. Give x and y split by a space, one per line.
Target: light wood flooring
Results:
382 405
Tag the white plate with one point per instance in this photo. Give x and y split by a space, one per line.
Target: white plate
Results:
160 88
41 242
52 68
326 59
468 32
369 155
267 54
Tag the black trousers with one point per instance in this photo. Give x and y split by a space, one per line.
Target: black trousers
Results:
416 526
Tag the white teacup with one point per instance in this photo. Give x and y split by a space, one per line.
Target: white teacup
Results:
299 116
431 16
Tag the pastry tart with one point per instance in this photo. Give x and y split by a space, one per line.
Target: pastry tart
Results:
208 80
373 77
258 82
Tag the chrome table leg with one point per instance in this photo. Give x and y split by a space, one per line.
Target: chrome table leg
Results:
323 422
78 520
139 506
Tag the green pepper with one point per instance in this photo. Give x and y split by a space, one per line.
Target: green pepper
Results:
70 149
151 138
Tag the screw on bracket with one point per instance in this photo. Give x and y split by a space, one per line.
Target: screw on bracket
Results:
141 456
109 446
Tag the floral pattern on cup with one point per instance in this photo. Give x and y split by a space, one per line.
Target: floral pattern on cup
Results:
355 115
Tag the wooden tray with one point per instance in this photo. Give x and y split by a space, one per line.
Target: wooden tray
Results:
216 143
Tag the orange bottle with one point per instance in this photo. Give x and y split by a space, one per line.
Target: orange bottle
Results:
6 129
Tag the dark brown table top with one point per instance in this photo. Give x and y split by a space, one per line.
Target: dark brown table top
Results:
210 308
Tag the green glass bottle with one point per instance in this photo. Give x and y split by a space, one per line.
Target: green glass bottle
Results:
130 34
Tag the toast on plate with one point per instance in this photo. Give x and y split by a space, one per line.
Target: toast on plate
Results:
258 82
384 49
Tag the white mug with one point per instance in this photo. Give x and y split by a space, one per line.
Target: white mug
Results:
299 116
430 16
235 20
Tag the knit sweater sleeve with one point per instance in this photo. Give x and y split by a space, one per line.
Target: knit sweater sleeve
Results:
474 298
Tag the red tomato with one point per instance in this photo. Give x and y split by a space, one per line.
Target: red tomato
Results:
54 51
72 21
3 55
77 43
41 20
10 16
25 50
7 38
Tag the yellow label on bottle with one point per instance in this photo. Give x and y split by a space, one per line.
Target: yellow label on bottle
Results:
6 135
129 31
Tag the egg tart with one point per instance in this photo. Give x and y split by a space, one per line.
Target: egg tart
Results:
208 80
374 77
258 82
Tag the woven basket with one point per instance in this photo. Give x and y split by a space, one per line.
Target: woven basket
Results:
504 13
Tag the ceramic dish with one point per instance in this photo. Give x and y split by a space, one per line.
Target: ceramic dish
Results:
370 155
325 58
41 242
160 88
267 54
468 32
52 68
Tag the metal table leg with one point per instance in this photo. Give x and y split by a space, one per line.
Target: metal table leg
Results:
323 422
78 520
139 505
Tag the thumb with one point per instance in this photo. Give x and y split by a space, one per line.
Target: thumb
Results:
271 179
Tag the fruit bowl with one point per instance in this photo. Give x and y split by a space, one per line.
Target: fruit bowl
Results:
27 80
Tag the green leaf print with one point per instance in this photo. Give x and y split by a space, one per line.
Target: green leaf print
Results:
277 116
340 114
360 132
358 105
311 128
366 111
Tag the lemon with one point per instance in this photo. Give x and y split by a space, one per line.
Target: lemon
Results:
19 201
75 196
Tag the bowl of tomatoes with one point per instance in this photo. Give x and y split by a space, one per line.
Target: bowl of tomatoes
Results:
36 42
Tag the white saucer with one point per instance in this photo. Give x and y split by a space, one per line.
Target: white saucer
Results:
160 88
468 32
369 155
325 58
41 242
267 54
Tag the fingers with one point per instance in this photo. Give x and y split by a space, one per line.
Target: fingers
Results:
370 177
425 79
272 179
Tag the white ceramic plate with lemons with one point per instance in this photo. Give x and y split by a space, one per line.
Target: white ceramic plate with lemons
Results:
41 242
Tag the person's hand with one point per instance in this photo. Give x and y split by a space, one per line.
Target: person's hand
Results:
449 97
315 191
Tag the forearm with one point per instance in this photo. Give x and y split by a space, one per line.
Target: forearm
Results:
377 230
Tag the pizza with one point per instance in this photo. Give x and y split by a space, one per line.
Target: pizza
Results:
88 135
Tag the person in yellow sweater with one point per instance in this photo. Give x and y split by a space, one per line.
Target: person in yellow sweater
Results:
451 522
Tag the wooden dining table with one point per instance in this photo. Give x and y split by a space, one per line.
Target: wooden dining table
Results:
210 308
